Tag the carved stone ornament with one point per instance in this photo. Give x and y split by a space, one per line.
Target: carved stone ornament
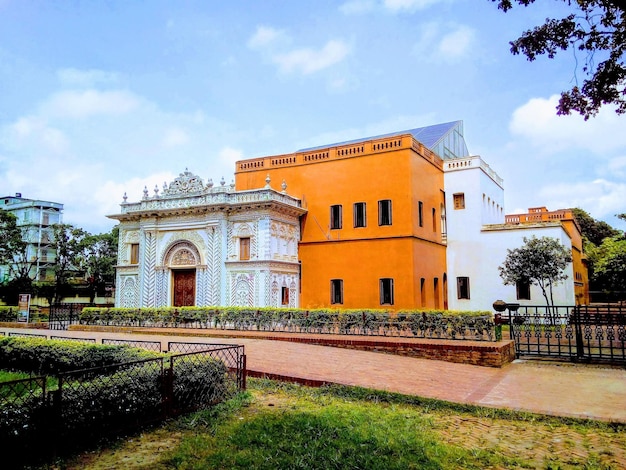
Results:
183 257
186 183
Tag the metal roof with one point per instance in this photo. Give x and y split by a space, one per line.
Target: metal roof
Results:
430 136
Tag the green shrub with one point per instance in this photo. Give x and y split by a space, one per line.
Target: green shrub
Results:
43 356
418 323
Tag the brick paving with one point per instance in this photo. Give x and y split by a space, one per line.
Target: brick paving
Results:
560 389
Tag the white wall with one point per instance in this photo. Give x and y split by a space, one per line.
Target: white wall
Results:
478 240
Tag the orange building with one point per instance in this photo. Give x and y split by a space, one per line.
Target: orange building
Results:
374 232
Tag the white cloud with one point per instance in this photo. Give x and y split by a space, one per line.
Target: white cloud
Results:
228 156
537 123
445 43
307 61
86 103
175 137
600 197
30 133
457 43
356 7
88 165
265 36
408 5
274 46
617 167
85 78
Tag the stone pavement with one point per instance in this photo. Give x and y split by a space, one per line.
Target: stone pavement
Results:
559 389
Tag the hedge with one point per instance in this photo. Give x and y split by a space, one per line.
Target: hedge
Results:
44 356
444 324
85 406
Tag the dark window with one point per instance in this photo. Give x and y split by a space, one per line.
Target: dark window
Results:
459 201
523 290
384 212
423 291
462 287
436 291
386 291
359 214
335 216
244 248
285 296
434 220
420 213
336 291
134 253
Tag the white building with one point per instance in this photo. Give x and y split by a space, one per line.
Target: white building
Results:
35 217
195 244
479 235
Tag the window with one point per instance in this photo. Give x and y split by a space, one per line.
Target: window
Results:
462 288
359 214
384 212
336 291
523 290
134 253
386 291
434 220
423 291
459 201
420 208
284 295
335 217
436 292
244 248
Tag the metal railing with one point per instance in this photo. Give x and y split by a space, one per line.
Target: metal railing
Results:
579 333
80 407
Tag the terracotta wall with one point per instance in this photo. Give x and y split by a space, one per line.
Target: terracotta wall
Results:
398 169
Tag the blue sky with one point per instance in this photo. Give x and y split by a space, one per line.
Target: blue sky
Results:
99 98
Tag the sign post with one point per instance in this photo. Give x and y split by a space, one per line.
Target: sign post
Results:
23 308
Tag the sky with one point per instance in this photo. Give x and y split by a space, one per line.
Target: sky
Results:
102 98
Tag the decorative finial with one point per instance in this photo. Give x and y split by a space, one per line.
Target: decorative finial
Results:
156 191
125 197
209 183
145 192
284 186
164 186
268 180
222 181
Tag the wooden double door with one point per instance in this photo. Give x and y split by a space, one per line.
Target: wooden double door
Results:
184 287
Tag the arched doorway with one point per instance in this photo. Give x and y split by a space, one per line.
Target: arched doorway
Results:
184 287
182 260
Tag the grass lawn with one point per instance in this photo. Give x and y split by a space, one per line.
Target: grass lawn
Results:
275 425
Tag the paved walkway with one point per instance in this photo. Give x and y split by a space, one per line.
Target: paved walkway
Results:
560 389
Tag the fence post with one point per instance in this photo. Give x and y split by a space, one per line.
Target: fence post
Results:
243 372
580 348
168 387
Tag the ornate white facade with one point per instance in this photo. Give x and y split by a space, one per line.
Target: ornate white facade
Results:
229 247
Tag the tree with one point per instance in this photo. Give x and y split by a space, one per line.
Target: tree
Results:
597 29
67 243
11 241
594 230
609 265
13 255
97 257
540 261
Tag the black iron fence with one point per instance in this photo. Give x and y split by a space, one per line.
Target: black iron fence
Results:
63 315
580 333
41 416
